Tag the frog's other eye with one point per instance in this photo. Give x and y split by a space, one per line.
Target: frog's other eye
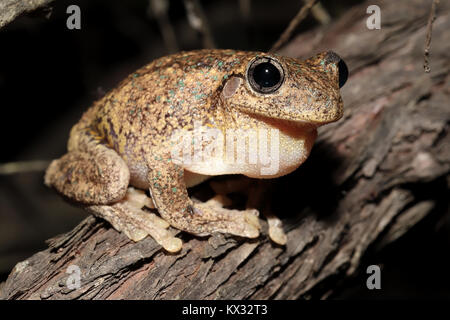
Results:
265 75
343 73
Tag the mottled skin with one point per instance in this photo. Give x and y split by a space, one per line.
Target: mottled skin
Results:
124 139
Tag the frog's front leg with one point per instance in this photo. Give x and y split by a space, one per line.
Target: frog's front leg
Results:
169 194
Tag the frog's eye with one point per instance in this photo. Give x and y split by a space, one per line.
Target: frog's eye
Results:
265 75
343 73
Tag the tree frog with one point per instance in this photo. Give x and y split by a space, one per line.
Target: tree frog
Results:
186 117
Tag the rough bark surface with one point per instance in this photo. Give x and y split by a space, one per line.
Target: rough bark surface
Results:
11 9
364 185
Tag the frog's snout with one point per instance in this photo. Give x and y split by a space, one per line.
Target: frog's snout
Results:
332 57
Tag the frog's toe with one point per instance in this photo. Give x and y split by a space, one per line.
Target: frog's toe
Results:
252 225
242 223
155 227
134 234
210 217
172 244
249 231
138 198
276 232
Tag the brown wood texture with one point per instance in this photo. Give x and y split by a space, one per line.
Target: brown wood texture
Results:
371 177
11 9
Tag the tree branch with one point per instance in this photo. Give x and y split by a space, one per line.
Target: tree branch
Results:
11 9
299 17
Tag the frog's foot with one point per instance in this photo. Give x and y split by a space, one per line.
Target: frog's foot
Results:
276 232
210 217
128 217
255 197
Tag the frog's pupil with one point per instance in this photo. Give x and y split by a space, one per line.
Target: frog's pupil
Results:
266 75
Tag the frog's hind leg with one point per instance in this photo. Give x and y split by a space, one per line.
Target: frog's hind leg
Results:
128 216
99 176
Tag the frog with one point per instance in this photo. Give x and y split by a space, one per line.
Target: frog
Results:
124 162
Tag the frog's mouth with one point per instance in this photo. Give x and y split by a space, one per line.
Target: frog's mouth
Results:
293 128
301 117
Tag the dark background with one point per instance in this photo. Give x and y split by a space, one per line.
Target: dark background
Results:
49 75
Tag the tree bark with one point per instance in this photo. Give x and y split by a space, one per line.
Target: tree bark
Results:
371 177
11 9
